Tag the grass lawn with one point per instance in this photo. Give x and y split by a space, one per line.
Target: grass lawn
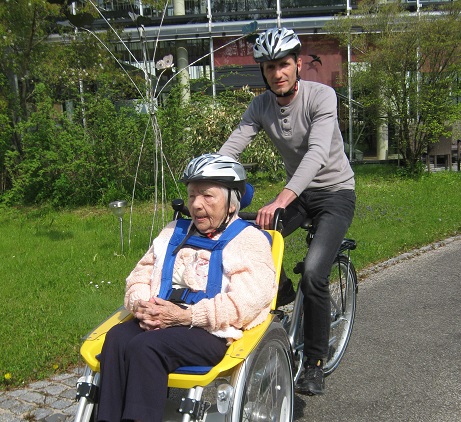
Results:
63 272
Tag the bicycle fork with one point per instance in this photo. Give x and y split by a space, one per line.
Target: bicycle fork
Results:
294 334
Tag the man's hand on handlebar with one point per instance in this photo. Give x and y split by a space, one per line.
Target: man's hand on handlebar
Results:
266 214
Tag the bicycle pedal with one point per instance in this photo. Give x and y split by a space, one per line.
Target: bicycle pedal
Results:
299 268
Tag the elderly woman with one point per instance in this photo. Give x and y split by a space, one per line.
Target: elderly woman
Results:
189 302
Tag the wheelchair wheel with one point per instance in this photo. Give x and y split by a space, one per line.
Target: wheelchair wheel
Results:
343 294
264 389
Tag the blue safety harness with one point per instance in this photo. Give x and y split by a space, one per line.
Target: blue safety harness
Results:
215 271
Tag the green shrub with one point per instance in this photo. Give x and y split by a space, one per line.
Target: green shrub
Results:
109 150
204 124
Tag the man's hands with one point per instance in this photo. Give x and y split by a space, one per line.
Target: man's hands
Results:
158 313
266 214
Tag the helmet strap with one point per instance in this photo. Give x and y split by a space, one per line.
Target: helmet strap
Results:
290 92
192 230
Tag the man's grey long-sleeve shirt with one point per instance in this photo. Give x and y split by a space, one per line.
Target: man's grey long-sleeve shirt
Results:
305 132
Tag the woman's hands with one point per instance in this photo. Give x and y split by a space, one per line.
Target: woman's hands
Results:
159 313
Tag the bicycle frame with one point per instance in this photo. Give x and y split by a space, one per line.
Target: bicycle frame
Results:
340 312
343 310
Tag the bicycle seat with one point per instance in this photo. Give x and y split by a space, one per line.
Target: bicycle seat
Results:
306 223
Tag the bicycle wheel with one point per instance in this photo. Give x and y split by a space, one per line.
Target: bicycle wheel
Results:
264 391
343 295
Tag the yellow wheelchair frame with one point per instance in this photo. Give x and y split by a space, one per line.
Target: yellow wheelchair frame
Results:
253 382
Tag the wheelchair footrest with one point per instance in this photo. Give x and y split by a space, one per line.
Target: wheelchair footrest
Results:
192 407
87 390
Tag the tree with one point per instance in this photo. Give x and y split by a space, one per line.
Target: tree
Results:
104 147
70 69
411 64
25 25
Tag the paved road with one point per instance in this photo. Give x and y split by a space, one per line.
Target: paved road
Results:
404 359
403 362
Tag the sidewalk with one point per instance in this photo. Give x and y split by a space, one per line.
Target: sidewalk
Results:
50 400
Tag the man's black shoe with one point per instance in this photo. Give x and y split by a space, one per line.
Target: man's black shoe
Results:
313 382
286 293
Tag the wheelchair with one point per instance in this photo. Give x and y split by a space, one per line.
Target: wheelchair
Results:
255 380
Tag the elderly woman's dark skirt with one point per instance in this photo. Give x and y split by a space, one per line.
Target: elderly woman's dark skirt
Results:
135 365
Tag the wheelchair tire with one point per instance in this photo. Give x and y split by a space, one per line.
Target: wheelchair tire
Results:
264 388
343 296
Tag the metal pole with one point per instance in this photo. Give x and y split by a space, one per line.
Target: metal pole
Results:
145 58
73 9
418 73
179 9
279 14
349 85
118 208
212 70
121 233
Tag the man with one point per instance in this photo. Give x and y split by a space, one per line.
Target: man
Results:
300 117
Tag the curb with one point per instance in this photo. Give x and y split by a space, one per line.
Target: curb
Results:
364 273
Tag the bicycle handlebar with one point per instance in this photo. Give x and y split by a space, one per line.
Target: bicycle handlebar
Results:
251 216
179 208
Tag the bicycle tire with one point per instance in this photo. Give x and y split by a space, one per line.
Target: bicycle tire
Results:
343 296
265 389
342 316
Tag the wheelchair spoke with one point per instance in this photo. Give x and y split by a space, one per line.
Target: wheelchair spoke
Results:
268 391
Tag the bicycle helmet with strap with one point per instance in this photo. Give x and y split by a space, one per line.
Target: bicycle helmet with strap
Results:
216 168
276 43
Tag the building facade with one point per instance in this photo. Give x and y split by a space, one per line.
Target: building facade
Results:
212 39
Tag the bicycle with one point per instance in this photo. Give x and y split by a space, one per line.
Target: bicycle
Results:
343 297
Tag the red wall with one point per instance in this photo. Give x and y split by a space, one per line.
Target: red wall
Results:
330 72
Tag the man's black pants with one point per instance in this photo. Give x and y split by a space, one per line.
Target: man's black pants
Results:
332 214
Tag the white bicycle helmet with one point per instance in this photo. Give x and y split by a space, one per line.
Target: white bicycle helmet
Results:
216 168
275 43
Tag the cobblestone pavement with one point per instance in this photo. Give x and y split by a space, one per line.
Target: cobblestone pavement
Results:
51 400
